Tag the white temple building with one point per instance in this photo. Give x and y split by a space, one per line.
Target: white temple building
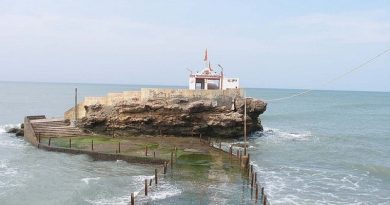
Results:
208 79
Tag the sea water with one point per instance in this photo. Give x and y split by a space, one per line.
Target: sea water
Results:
327 147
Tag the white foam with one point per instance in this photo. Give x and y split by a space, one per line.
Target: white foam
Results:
6 127
164 191
5 170
87 179
276 134
122 200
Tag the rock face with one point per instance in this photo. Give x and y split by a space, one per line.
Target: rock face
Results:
178 116
17 131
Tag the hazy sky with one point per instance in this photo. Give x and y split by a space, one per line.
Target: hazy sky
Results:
277 44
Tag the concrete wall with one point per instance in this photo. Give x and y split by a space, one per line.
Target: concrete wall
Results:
29 133
221 97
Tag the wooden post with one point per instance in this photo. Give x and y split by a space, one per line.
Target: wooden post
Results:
92 145
154 154
49 141
171 160
165 167
253 176
119 147
70 143
146 150
146 187
39 137
247 163
240 158
155 176
257 192
251 169
220 145
132 199
150 182
265 200
245 150
262 192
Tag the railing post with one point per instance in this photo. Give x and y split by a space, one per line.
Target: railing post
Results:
146 187
155 176
257 192
171 160
132 199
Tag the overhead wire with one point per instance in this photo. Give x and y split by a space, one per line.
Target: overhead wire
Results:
335 78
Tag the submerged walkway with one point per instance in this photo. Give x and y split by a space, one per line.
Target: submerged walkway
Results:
179 156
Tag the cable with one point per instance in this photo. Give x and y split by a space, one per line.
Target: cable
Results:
333 79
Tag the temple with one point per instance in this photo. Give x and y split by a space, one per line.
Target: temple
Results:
208 79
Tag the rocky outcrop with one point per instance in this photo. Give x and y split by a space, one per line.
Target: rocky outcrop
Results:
179 116
18 131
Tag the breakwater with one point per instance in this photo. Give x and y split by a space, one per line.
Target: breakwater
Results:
163 161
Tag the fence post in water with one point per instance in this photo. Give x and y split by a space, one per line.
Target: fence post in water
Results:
262 192
92 145
265 200
165 167
150 182
245 150
251 172
257 192
146 187
154 154
70 143
119 147
146 150
39 137
155 176
49 141
255 177
252 179
132 199
171 160
247 163
239 158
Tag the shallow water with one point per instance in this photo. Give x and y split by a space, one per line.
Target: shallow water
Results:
324 148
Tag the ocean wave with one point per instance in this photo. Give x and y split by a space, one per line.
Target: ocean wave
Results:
6 127
319 186
87 179
121 200
5 170
273 133
165 191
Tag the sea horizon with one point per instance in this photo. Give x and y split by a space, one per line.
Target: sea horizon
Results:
186 86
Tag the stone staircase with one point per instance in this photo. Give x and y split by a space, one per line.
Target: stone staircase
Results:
55 128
